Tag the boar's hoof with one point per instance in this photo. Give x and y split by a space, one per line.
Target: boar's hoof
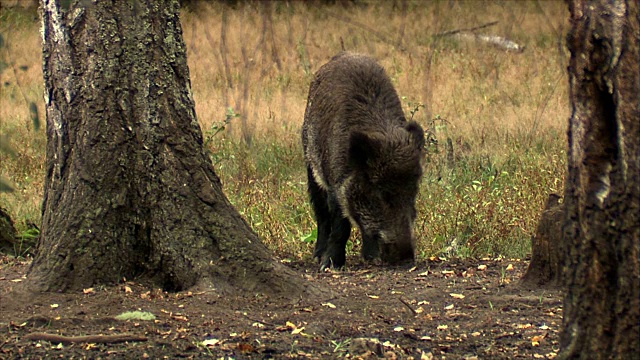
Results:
335 262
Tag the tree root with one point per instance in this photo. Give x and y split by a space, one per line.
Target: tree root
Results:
102 339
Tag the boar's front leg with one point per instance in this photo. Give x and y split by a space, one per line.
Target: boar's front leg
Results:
335 253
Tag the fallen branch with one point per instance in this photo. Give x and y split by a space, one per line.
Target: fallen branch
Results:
451 32
497 41
93 339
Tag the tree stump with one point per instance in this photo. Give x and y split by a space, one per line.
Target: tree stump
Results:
7 232
545 268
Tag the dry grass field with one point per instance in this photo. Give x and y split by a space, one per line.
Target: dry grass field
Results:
499 117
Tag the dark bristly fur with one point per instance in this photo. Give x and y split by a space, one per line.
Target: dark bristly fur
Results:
363 161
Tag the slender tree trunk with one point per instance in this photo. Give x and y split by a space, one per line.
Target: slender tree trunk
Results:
602 195
129 190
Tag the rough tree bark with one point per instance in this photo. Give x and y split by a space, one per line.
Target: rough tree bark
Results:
602 194
129 190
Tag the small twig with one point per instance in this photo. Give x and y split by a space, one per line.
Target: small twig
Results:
408 306
102 339
403 14
451 32
260 321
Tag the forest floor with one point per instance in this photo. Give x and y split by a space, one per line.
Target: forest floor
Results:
453 309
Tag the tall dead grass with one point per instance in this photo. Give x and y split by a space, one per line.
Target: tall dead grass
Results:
503 112
259 60
21 84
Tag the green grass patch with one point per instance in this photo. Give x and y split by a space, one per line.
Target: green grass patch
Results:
479 205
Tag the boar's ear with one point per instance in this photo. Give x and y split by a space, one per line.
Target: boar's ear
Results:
416 132
362 148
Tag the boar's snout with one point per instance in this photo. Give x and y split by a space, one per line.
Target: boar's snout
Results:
397 247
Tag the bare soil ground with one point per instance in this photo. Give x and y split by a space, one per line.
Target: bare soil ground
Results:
453 309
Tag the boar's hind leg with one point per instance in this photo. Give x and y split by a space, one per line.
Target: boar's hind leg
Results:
335 253
319 202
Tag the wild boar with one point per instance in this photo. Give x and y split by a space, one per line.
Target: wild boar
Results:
364 161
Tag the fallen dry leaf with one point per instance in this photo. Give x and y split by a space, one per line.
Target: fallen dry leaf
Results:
510 267
210 342
426 356
535 341
457 296
290 325
297 331
244 347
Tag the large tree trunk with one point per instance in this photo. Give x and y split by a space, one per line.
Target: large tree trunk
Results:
129 190
602 195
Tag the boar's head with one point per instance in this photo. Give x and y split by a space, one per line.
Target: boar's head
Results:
380 192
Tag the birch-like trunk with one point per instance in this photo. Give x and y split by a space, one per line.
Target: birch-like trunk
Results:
129 191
